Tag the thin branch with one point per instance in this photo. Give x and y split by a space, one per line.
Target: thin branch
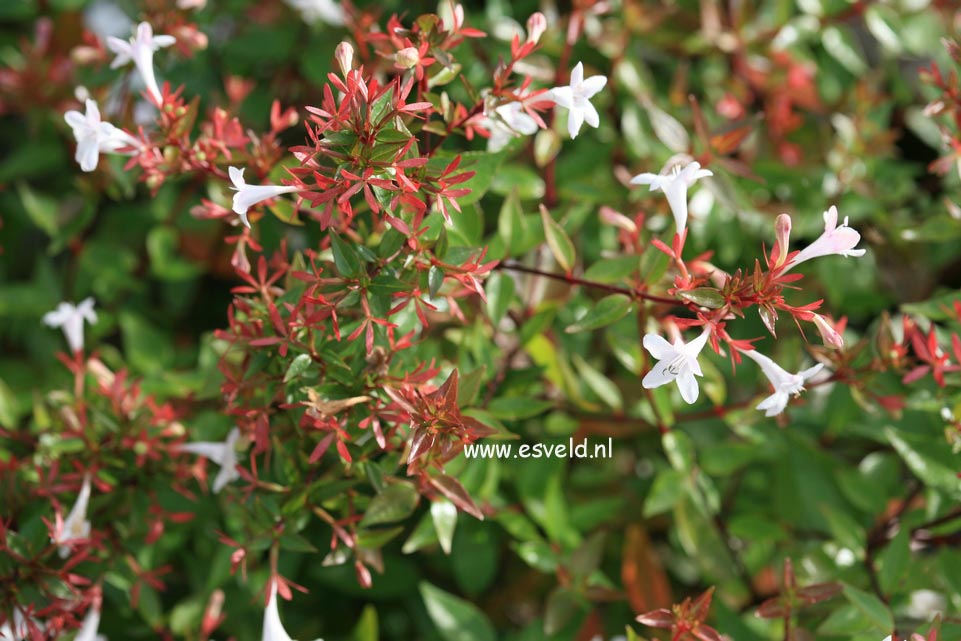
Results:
574 280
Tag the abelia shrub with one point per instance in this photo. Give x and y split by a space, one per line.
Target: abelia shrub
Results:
339 266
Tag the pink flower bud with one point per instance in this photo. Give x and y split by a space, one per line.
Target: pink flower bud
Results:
212 614
345 57
407 58
829 335
782 232
617 219
536 26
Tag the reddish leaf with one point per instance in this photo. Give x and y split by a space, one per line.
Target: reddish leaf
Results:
643 575
453 490
660 618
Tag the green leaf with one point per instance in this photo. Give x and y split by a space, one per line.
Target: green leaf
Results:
147 349
435 279
515 409
521 178
444 515
704 296
499 290
612 270
469 386
36 158
604 387
395 503
484 165
422 536
547 144
367 628
511 223
560 244
929 460
378 538
297 367
41 208
845 530
454 618
939 308
894 560
164 252
679 449
562 605
346 258
665 493
537 554
846 621
840 42
872 607
609 309
667 129
884 25
476 562
9 409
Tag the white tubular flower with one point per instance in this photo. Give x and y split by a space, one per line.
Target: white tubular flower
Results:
576 99
829 335
76 527
19 628
326 11
223 454
675 185
785 384
508 122
95 136
70 318
835 240
675 362
88 629
249 195
273 628
7 631
140 49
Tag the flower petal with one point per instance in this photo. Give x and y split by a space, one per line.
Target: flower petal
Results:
88 154
563 96
687 383
273 629
236 177
676 192
660 374
590 115
163 41
226 474
577 75
695 346
659 347
75 119
773 404
811 371
654 180
593 85
88 630
575 119
831 219
216 452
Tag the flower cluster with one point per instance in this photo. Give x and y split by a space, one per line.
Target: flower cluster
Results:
733 294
